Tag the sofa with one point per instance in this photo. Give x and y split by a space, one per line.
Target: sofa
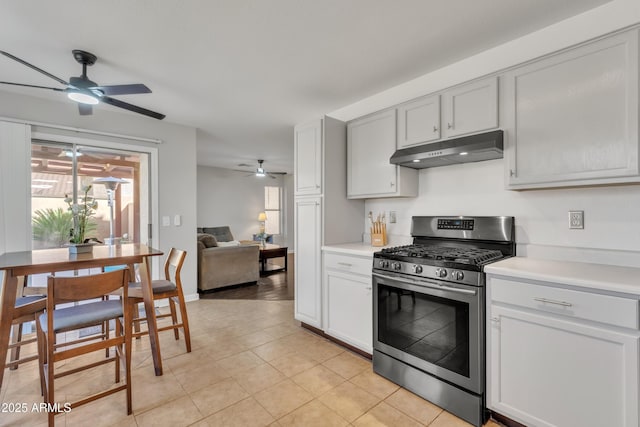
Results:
224 262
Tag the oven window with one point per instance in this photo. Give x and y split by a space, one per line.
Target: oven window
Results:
431 328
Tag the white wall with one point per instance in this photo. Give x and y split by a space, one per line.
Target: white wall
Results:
233 198
612 214
177 163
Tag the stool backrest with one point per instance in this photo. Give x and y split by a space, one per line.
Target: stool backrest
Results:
79 288
174 263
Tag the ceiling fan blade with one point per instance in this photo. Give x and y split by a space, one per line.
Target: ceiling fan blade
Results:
131 107
122 89
33 67
36 86
85 109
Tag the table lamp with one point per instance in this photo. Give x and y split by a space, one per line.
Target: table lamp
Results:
112 184
262 217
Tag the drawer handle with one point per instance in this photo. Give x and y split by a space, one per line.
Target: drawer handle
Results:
550 301
345 264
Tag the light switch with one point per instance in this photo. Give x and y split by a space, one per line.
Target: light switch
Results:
166 221
177 220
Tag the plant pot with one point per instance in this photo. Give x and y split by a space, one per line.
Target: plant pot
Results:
80 248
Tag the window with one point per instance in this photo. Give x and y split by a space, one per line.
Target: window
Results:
273 209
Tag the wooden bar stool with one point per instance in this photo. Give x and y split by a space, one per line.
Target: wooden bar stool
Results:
63 290
26 310
28 306
170 288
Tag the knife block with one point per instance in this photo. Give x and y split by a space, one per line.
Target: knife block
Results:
379 236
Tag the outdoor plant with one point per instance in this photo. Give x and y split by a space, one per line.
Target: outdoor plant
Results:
82 213
52 226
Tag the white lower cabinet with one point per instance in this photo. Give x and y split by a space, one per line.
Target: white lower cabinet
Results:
551 366
347 300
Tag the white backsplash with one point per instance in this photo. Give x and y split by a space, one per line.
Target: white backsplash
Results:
611 213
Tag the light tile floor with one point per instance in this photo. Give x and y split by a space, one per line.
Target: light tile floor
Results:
251 365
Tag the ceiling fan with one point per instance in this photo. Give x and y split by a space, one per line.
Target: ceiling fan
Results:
261 172
86 92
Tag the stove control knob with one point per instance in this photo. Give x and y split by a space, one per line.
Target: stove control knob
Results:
458 275
397 266
416 268
381 264
441 272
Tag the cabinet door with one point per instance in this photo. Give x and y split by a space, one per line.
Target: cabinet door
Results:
308 242
307 151
573 117
546 371
348 306
419 121
471 108
371 141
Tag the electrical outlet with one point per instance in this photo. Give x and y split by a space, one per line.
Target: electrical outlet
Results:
392 217
576 219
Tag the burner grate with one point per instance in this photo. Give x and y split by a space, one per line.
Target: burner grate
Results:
471 256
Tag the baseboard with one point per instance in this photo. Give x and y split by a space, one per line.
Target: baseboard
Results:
336 340
505 420
192 297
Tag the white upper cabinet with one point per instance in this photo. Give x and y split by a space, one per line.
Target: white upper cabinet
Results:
471 108
572 118
308 158
465 109
371 141
419 121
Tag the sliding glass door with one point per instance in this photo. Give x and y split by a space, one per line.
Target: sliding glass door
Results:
59 174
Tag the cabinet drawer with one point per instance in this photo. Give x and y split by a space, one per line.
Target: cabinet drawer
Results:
352 264
609 309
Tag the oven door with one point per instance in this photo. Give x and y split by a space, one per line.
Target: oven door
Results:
432 325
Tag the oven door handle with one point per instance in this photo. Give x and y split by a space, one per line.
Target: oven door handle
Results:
427 284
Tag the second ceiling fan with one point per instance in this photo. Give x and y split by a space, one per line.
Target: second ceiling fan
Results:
261 171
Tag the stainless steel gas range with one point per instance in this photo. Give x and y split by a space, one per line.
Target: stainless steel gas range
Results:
429 309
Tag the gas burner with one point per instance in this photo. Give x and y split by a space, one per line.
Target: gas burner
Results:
463 255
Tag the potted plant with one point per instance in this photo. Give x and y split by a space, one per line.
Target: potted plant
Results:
51 227
82 213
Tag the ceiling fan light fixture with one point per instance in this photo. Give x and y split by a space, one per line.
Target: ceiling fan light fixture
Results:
83 98
260 172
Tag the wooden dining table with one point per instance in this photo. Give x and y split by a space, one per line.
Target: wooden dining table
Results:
16 265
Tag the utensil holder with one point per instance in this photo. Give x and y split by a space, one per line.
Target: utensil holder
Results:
379 235
377 240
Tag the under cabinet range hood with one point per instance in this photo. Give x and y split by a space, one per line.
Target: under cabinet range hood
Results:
466 149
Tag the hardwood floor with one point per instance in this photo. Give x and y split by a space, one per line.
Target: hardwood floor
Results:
273 287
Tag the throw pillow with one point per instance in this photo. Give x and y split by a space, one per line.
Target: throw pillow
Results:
230 243
207 240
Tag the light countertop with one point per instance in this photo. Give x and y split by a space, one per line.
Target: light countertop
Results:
356 248
594 276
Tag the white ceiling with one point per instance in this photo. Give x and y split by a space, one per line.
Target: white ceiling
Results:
244 72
